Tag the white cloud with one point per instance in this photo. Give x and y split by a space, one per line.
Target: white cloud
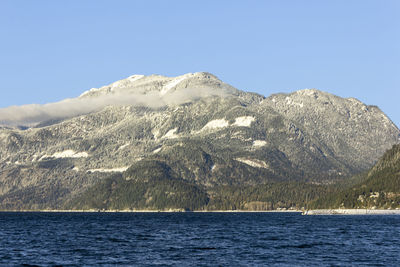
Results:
32 114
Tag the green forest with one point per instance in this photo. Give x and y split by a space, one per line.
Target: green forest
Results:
153 185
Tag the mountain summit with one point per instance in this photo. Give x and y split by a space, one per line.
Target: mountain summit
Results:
140 84
193 131
152 91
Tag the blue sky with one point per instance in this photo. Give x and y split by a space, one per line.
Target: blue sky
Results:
51 50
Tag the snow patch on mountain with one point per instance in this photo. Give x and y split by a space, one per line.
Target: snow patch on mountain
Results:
259 143
70 154
215 124
244 121
253 162
166 88
66 154
135 77
123 146
157 150
213 167
171 134
121 169
34 157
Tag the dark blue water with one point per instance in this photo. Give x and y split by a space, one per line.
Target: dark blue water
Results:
198 239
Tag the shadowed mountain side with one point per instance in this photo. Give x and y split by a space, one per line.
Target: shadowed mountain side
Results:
378 188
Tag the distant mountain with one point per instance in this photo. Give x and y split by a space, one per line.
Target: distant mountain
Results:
378 188
193 132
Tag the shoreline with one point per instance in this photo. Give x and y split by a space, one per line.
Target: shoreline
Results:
155 211
302 212
351 212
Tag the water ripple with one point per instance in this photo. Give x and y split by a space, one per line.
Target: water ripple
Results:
197 239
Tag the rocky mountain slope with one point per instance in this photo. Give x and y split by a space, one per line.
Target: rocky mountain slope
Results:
204 132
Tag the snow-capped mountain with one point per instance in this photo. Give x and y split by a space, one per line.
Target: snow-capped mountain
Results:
205 131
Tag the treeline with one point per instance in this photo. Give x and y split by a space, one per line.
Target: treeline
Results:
150 185
154 185
117 193
269 196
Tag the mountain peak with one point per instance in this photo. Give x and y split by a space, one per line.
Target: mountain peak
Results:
141 84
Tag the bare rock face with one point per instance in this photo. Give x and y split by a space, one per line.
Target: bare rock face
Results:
206 131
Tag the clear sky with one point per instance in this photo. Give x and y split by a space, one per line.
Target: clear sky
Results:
51 50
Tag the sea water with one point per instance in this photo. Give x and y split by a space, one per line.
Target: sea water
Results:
197 239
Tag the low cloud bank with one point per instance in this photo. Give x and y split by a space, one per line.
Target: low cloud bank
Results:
30 115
